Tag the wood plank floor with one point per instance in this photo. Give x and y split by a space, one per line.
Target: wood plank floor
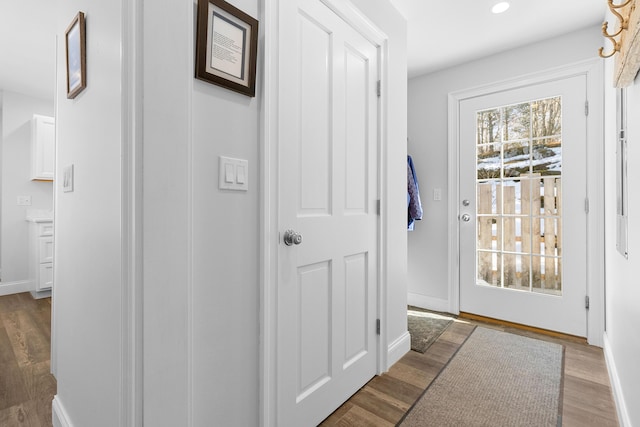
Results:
27 387
26 384
587 398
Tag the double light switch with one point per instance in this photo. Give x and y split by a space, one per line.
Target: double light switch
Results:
234 174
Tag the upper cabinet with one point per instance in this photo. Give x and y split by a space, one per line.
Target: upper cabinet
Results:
42 147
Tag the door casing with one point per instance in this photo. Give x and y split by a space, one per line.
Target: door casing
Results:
593 70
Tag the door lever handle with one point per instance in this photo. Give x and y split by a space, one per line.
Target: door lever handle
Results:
465 217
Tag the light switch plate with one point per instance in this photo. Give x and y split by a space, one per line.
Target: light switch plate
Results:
233 174
67 179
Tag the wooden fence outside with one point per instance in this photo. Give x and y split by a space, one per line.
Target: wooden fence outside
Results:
538 262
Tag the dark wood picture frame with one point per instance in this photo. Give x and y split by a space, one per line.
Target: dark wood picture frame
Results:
226 46
76 56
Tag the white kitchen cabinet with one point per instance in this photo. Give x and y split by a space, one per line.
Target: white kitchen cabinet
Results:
42 147
41 256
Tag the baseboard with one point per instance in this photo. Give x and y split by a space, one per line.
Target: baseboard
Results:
618 396
16 287
398 348
428 303
58 414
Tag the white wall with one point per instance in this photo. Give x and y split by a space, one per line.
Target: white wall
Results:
17 112
428 136
201 244
87 299
622 343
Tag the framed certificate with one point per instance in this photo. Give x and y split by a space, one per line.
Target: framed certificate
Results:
226 46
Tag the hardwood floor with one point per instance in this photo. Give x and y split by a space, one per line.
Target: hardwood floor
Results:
587 398
26 384
27 387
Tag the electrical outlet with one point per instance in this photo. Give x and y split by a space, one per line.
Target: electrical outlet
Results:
24 200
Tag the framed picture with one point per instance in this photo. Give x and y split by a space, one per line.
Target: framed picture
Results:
76 56
226 46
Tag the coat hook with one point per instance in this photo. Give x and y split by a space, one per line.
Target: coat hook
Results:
624 24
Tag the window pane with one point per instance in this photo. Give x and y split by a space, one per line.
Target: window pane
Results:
516 120
488 126
517 159
488 161
546 117
547 156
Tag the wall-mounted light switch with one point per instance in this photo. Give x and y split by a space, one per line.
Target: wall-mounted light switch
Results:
229 173
24 200
233 174
437 194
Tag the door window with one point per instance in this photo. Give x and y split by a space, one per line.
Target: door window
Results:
519 196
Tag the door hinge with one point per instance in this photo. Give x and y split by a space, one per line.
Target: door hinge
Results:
378 207
379 88
586 205
586 302
377 326
586 108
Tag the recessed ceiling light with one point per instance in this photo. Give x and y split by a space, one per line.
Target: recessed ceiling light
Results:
500 7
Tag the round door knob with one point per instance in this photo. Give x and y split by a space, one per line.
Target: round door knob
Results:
292 238
465 217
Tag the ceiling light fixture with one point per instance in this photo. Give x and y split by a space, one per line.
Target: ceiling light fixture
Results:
500 7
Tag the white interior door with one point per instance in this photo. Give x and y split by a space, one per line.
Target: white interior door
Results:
522 177
327 282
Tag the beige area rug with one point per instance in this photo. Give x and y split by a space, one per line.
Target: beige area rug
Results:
495 379
425 327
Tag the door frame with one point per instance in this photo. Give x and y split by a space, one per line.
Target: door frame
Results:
269 232
593 70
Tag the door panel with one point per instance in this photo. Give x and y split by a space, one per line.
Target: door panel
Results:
523 244
327 285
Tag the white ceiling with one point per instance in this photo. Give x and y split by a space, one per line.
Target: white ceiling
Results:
441 34
449 32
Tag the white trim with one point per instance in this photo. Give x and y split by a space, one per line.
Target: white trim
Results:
616 387
453 195
269 235
383 190
131 216
595 193
399 348
59 415
190 284
427 302
269 214
8 288
592 69
349 13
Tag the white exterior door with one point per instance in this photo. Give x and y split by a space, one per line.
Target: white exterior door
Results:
328 187
522 177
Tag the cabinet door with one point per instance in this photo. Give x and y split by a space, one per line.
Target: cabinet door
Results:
45 280
42 148
46 249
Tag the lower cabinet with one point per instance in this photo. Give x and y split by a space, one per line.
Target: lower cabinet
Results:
41 257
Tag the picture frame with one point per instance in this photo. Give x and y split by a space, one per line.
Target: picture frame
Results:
226 46
76 58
